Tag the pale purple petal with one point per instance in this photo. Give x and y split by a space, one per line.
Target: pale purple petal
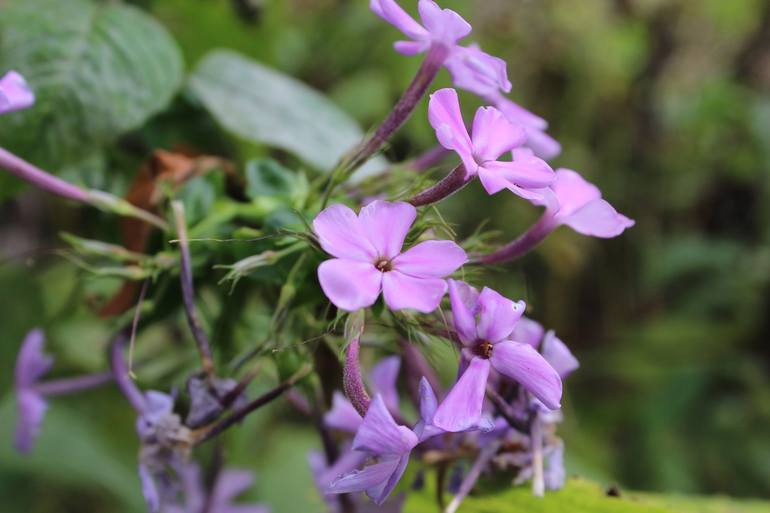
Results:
461 409
403 291
231 483
343 415
431 259
447 120
149 489
544 146
383 377
528 180
31 408
497 315
598 219
379 493
494 135
411 47
465 307
367 478
379 434
428 401
558 355
478 72
528 331
350 284
340 234
445 26
15 93
31 363
324 475
573 192
523 364
555 475
391 12
518 114
386 224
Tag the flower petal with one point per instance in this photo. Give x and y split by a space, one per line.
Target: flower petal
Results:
403 291
598 219
445 26
340 234
391 12
544 146
31 409
15 93
431 259
380 493
478 72
447 120
367 478
494 135
519 115
31 363
461 410
411 47
350 284
343 415
498 315
465 307
528 331
380 435
521 363
558 355
428 401
573 192
386 224
383 377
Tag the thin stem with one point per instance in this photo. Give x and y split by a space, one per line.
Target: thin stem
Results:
473 475
430 158
352 381
257 403
417 367
505 411
538 480
66 386
121 376
40 179
449 185
135 325
188 291
523 244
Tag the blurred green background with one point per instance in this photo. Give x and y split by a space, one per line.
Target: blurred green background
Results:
662 103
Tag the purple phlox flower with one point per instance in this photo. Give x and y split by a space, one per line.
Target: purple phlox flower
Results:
484 323
31 364
442 27
383 377
554 474
15 93
389 444
206 399
229 485
558 355
528 331
581 207
324 474
492 136
368 258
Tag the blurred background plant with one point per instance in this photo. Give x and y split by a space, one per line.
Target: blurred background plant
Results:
662 103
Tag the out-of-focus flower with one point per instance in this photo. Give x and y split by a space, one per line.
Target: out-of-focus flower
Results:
368 258
229 485
492 136
484 322
15 93
31 364
558 355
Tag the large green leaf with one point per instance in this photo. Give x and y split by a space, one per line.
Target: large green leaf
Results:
98 70
265 106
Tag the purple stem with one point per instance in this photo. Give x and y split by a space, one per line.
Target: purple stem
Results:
40 179
71 385
430 67
536 437
430 158
523 244
449 185
122 378
473 475
352 381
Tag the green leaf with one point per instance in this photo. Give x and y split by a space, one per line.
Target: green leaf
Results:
266 177
265 106
97 69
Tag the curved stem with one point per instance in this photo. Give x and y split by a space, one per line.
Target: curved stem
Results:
523 244
430 158
40 179
72 385
449 185
352 381
120 373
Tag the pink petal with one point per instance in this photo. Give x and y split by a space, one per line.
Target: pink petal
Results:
386 224
15 93
598 219
528 331
391 12
544 146
447 120
428 401
519 115
573 192
558 355
464 299
340 234
350 284
380 435
522 363
403 291
461 410
343 415
383 377
379 493
494 135
445 25
478 72
369 477
431 259
497 315
411 47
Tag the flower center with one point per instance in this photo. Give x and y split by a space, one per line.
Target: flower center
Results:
484 349
383 265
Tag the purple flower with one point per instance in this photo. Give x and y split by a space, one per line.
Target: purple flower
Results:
492 136
528 331
15 93
368 258
484 323
558 355
31 364
581 207
439 26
